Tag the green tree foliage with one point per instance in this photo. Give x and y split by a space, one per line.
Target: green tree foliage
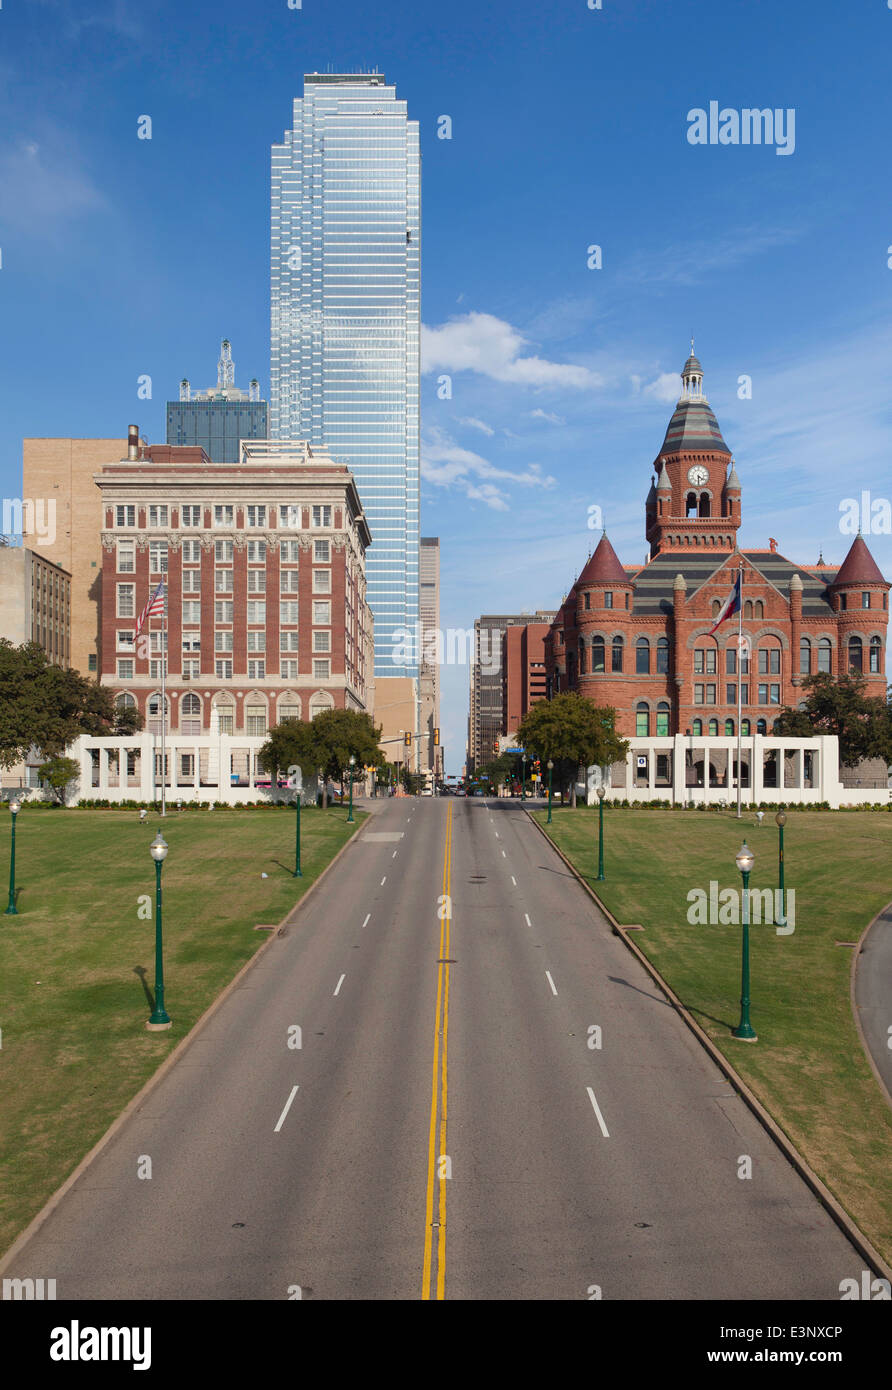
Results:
59 772
838 705
43 706
326 741
572 731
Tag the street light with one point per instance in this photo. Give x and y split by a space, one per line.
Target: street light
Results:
159 1019
352 765
601 794
744 1030
12 911
781 820
523 788
298 789
549 765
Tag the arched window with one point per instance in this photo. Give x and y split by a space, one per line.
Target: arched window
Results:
748 608
582 656
190 714
713 728
856 654
824 655
805 657
155 717
744 728
716 607
697 728
255 715
704 503
761 726
729 728
876 655
125 701
289 706
690 506
598 654
642 720
758 609
224 714
321 701
662 656
618 653
663 719
642 657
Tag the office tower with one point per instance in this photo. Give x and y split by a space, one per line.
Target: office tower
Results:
219 418
523 671
487 696
345 320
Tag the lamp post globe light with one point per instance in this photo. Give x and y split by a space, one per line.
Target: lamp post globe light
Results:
297 794
781 820
550 766
744 1030
352 766
12 911
523 786
159 1019
601 794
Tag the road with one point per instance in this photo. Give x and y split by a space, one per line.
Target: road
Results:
449 1126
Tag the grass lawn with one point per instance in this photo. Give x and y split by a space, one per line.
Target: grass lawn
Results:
76 963
808 1067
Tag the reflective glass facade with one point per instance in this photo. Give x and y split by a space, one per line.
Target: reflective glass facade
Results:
345 301
218 426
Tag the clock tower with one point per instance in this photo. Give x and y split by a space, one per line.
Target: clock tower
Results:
694 501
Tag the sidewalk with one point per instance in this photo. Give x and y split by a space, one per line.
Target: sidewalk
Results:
873 994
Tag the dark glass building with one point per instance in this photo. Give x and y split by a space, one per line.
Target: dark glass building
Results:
220 418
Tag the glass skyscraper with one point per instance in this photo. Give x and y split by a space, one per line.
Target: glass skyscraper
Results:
345 282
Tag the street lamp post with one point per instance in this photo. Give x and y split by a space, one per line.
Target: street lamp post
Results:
297 870
549 765
523 787
159 1018
12 910
781 819
744 1030
601 794
352 766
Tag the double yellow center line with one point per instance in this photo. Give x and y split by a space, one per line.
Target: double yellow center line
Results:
435 1168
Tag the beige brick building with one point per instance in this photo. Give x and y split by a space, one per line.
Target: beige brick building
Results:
35 602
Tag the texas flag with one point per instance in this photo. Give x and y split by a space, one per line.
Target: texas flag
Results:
731 605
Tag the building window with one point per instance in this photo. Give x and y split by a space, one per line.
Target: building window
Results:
289 708
608 599
321 641
223 552
662 720
321 581
598 654
191 669
617 659
256 581
876 653
698 694
125 516
586 600
824 657
642 721
856 654
289 581
158 557
256 552
710 694
224 516
805 657
769 661
256 671
761 726
713 728
321 516
223 581
662 656
744 728
256 611
125 607
125 641
156 668
289 612
191 581
731 694
865 598
191 551
255 719
256 516
745 693
322 612
192 611
322 552
191 642
289 641
321 670
289 552
157 515
697 728
642 657
190 515
843 602
256 641
289 670
223 641
704 661
190 715
126 557
289 515
729 728
223 670
125 668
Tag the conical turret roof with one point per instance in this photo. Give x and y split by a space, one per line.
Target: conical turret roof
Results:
603 566
859 567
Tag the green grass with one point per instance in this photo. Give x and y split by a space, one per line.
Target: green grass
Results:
808 1067
76 963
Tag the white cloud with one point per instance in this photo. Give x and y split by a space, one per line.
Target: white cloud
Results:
689 262
445 464
667 387
548 416
43 189
482 343
477 424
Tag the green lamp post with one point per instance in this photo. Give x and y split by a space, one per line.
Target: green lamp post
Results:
523 787
159 1018
299 788
12 910
744 1030
550 766
352 766
781 819
601 794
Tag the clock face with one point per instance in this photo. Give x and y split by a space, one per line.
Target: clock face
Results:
698 475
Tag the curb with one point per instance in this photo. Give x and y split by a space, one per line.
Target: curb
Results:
855 1014
830 1204
172 1058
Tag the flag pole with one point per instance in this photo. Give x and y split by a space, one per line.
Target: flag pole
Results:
164 701
739 683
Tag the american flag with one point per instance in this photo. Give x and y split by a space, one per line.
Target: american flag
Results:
154 607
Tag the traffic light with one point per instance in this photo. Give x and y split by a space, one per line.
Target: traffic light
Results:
408 739
436 738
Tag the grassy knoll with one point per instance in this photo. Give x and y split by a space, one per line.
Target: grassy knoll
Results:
76 963
808 1067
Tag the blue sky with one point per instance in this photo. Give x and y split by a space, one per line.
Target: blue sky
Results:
122 257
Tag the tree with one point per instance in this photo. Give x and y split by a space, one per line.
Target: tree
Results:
571 730
838 705
59 772
325 742
43 706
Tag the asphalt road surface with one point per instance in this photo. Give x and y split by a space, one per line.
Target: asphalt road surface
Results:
450 1126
